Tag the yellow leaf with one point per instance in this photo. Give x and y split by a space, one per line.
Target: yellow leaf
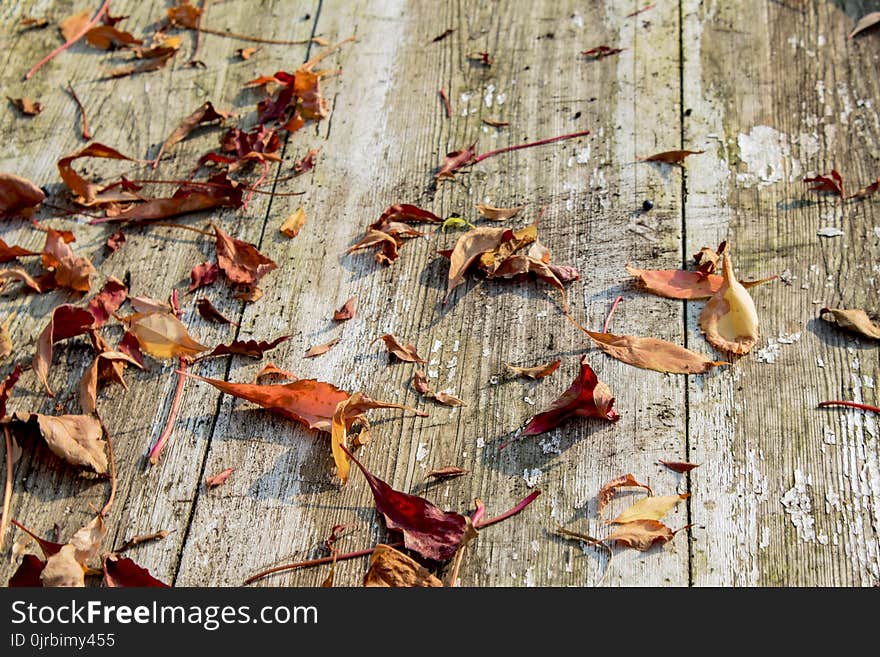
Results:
650 508
729 320
294 223
162 335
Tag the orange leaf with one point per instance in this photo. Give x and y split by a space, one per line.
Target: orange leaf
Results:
162 335
347 310
682 284
609 488
641 534
729 320
406 353
294 223
536 372
18 195
670 157
320 349
241 262
498 214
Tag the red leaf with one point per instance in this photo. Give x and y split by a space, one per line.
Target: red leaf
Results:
586 397
123 572
202 275
9 253
7 386
242 263
204 114
209 312
130 346
601 51
456 160
307 163
219 479
831 184
346 311
107 301
115 241
66 322
680 466
250 348
68 269
28 573
432 533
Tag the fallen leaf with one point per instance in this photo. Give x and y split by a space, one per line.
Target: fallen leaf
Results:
148 305
445 473
206 113
71 26
122 572
346 413
347 310
650 508
641 534
271 369
387 252
185 15
26 105
209 312
390 568
454 161
653 354
867 191
202 275
251 348
609 489
830 184
321 349
866 22
680 466
855 320
219 479
601 51
77 439
586 397
6 388
162 335
246 53
67 567
107 37
443 35
670 157
33 23
307 163
495 124
28 572
10 253
87 193
469 247
388 231
115 241
66 322
420 383
446 399
498 214
194 196
729 319
130 346
242 263
18 195
6 347
88 384
18 274
536 372
406 353
107 301
68 270
455 223
294 223
706 260
683 284
484 58
428 531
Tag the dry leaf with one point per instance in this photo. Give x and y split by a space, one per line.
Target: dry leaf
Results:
246 53
347 310
209 312
653 354
830 184
107 301
420 383
406 353
706 260
536 372
68 270
446 399
219 479
469 247
270 369
87 193
321 349
77 439
585 397
866 22
242 263
67 567
680 466
390 568
729 320
88 384
73 25
855 320
108 37
650 508
26 106
66 322
251 348
202 275
185 15
609 489
867 191
498 214
600 52
445 473
18 195
206 113
294 223
162 335
454 161
149 305
670 157
194 196
18 274
682 284
496 124
122 572
10 253
641 534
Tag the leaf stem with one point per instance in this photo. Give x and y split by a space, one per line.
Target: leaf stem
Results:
246 37
79 35
314 562
112 496
850 404
86 133
7 488
611 314
168 224
540 142
198 28
446 104
175 404
482 524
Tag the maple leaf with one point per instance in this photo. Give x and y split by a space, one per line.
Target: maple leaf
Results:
251 348
205 113
202 275
207 311
830 184
391 568
586 397
242 263
107 301
729 319
18 195
87 193
10 253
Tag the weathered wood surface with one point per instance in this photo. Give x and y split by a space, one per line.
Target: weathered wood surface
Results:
786 494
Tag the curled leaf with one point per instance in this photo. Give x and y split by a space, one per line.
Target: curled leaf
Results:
830 184
866 22
406 353
321 349
680 466
650 508
271 369
202 275
18 195
206 113
347 310
498 214
641 534
535 372
107 301
455 223
67 567
66 322
9 253
445 473
469 247
653 354
609 489
854 319
77 439
585 397
241 262
162 335
88 384
209 312
18 274
27 106
68 269
454 161
683 284
87 193
194 196
729 320
390 568
294 223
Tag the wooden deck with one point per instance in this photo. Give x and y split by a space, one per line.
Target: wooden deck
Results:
771 90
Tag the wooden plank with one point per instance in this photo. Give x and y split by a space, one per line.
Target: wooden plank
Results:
387 132
787 494
134 115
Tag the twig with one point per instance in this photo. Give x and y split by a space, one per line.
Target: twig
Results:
614 305
79 35
850 404
262 177
246 37
7 488
314 562
86 134
168 224
175 404
109 440
142 538
192 58
540 142
446 103
639 11
595 542
482 524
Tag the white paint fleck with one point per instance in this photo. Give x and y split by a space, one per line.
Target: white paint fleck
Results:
770 353
529 401
529 579
829 231
480 443
500 98
487 352
766 153
422 452
577 19
833 500
455 346
799 507
820 362
583 155
436 347
828 436
452 363
551 445
532 477
490 92
765 538
789 338
433 374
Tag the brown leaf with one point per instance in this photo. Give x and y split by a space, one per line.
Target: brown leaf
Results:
855 320
209 312
347 310
184 14
866 22
420 383
650 508
6 387
115 241
706 260
67 567
149 305
33 23
250 294
609 489
18 195
202 275
242 263
445 473
107 301
18 274
68 269
66 322
469 247
270 369
321 349
251 348
682 284
107 37
219 479
729 319
495 124
246 53
218 192
87 193
446 399
641 534
73 25
162 335
130 346
294 223
599 52
26 106
536 372
680 466
387 252
406 353
498 214
585 397
10 253
88 384
670 157
206 113
77 439
307 163
390 568
653 354
454 161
